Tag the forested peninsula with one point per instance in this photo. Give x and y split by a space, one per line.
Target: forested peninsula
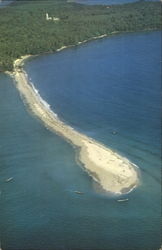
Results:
26 29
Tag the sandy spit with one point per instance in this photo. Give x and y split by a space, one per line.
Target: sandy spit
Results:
113 172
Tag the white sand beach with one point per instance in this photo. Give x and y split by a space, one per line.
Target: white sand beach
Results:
113 172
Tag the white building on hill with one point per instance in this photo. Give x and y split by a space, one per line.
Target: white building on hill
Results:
51 18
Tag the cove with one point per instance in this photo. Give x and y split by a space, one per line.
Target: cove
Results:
40 204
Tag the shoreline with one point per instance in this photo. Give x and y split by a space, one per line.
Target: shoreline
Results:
77 44
114 173
23 58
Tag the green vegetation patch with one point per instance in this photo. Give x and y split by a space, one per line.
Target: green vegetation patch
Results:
25 30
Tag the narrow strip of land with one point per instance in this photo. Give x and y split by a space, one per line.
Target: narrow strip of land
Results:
113 172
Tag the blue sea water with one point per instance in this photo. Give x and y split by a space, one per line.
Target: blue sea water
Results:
106 2
5 3
88 2
103 86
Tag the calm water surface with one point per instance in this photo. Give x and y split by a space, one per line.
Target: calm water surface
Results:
5 3
106 2
106 85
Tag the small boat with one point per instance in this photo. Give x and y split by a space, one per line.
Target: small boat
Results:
78 192
122 200
9 179
114 132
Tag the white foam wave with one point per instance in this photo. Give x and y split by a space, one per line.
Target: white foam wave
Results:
45 104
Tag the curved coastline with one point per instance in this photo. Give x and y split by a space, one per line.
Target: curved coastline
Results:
113 172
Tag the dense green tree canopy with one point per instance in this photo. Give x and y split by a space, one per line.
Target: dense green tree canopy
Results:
25 30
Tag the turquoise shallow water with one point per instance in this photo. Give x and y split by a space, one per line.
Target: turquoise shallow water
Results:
106 85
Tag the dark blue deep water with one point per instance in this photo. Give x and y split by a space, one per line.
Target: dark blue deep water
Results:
102 86
88 2
107 2
5 3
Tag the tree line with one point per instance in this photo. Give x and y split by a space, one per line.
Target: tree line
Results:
25 30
